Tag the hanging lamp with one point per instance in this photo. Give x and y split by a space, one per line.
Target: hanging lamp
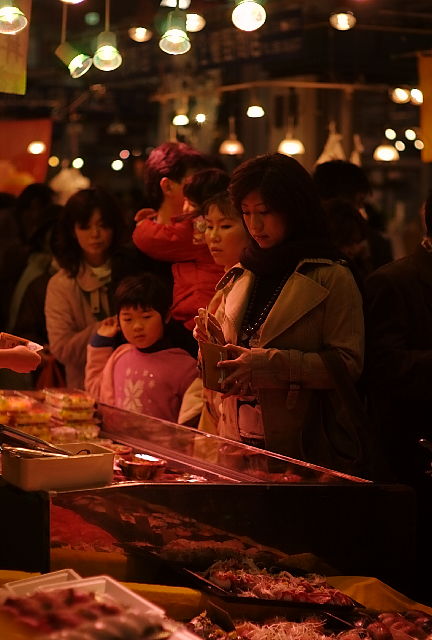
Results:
175 40
342 20
77 63
386 153
12 19
107 56
231 146
248 15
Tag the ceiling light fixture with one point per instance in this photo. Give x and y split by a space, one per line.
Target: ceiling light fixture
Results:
386 153
400 95
231 146
140 34
12 19
195 22
107 56
175 40
72 1
248 15
36 148
416 96
390 134
342 20
255 111
77 63
183 4
290 146
200 118
180 120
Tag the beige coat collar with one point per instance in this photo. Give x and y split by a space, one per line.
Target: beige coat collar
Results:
299 296
87 281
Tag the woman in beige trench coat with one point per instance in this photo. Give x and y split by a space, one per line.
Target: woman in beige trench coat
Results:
292 298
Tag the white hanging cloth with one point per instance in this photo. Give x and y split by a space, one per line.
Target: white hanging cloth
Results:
333 149
358 148
67 182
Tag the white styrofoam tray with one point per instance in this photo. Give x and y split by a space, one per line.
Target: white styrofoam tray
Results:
29 585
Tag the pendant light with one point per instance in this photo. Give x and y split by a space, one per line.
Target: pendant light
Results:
195 22
175 40
140 34
248 15
107 56
291 146
72 1
342 20
386 153
231 146
12 19
77 63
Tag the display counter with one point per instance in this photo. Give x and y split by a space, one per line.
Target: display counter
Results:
215 494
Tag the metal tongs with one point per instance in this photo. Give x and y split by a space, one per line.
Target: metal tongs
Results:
31 443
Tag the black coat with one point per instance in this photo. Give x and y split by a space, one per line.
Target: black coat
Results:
399 360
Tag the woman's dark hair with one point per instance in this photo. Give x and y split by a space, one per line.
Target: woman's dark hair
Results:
204 184
340 179
77 211
146 291
225 205
171 160
286 188
345 223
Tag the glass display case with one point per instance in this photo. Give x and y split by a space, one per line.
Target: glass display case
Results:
212 496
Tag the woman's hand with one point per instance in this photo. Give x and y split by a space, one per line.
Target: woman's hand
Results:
109 327
207 328
238 372
19 359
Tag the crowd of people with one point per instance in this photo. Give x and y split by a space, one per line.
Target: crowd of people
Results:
282 268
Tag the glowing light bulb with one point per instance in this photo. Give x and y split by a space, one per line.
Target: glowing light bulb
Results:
72 1
231 147
200 118
400 146
390 134
12 19
77 163
183 4
140 34
194 22
255 111
36 147
386 153
248 15
416 96
291 147
117 165
175 40
400 95
419 144
180 120
107 56
410 134
124 154
53 161
342 20
77 63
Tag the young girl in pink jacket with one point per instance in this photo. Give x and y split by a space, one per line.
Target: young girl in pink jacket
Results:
146 375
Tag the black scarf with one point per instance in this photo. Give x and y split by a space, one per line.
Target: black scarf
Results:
283 259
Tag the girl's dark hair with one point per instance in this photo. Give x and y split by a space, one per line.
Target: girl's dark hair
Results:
345 223
204 184
286 188
77 211
146 291
225 205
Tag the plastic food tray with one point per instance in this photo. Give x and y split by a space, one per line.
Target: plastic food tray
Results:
29 585
74 472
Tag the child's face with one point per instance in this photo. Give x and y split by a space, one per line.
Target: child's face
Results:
141 327
226 237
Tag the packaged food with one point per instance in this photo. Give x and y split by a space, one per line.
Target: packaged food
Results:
14 401
69 398
35 415
69 414
63 434
9 341
38 430
86 431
